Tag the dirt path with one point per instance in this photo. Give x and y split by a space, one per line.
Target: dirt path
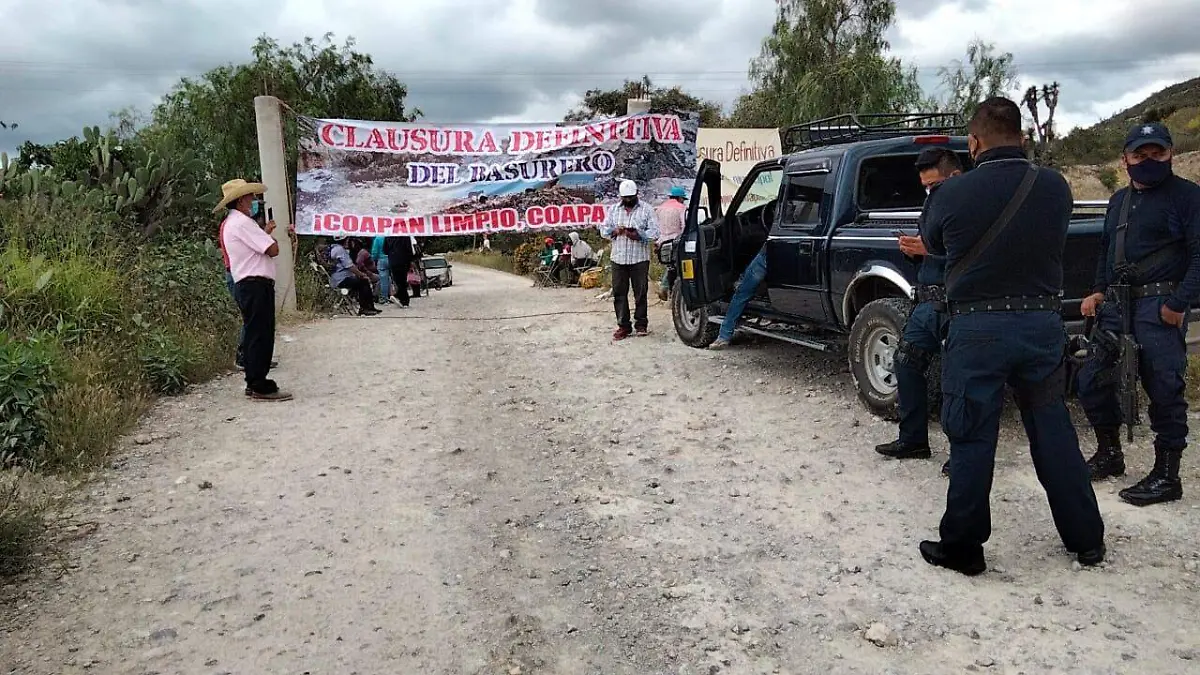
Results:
522 496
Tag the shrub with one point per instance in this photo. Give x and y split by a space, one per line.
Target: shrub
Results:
21 525
1108 178
165 361
26 384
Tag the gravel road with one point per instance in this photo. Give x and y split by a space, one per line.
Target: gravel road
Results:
522 496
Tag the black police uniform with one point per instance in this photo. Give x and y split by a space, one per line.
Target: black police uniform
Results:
1162 242
1005 328
919 345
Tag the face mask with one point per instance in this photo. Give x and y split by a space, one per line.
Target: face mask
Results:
1149 172
255 208
629 202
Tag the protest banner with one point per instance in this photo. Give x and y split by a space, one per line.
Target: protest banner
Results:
411 179
738 150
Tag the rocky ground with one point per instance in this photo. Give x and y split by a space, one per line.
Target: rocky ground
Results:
452 493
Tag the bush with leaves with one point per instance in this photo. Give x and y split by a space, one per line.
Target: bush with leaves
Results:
26 384
1108 178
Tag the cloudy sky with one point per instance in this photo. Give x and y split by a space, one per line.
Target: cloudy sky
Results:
67 63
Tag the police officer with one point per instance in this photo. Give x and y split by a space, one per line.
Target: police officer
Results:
922 332
1152 242
1002 228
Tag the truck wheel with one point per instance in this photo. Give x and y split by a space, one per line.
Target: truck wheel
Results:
873 340
692 326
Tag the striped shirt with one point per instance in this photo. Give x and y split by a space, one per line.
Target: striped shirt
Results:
626 251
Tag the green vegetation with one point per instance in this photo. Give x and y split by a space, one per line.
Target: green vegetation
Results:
1178 106
111 286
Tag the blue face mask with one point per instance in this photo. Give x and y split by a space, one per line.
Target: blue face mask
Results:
255 208
1149 172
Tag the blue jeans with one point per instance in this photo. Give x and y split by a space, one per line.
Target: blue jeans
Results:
1162 363
921 342
752 278
241 348
385 279
983 352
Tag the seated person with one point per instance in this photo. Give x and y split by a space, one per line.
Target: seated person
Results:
347 275
752 278
582 255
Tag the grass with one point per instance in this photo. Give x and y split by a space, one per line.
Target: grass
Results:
495 261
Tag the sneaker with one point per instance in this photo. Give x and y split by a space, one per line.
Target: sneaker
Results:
620 334
278 395
642 332
719 345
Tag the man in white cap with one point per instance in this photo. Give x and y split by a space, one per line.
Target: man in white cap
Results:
252 251
632 227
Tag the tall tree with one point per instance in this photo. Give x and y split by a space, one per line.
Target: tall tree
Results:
826 57
982 75
214 114
612 102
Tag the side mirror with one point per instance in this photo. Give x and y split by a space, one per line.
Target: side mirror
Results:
666 252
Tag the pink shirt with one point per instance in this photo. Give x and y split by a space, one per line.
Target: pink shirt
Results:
246 245
671 214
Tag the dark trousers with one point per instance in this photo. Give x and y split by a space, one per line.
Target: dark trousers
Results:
983 352
361 288
624 276
241 348
1162 363
256 297
920 344
400 286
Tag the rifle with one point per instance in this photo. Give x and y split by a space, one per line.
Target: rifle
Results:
1127 361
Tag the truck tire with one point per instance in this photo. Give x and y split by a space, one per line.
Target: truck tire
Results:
873 340
693 327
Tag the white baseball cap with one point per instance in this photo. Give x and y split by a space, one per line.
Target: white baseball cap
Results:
628 188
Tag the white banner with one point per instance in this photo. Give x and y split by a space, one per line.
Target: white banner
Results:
738 150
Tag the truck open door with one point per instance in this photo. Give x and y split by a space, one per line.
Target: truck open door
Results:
705 247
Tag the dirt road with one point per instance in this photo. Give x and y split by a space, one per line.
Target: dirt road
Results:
523 496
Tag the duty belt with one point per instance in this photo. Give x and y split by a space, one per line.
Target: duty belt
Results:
930 293
1151 290
1025 303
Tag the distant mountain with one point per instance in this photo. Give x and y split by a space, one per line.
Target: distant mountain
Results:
1178 106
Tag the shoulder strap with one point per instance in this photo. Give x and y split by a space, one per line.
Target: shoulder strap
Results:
960 266
1122 229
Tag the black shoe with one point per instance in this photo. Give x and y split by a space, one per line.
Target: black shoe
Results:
1109 461
946 469
970 563
1093 557
1162 485
370 312
902 450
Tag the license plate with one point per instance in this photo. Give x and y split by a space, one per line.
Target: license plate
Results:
687 271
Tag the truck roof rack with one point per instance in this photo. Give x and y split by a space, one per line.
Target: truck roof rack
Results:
852 127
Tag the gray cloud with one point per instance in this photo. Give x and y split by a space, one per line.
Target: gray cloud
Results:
467 60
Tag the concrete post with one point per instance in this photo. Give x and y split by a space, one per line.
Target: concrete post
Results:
273 159
637 106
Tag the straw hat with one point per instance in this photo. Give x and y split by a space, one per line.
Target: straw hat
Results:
236 189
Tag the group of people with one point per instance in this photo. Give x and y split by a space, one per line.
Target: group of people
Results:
990 244
570 256
387 270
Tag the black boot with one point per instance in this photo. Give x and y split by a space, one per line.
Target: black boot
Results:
1162 485
902 450
964 560
1108 461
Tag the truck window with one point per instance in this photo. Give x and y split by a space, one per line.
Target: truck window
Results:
764 189
802 201
890 182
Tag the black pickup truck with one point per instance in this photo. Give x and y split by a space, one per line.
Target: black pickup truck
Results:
835 274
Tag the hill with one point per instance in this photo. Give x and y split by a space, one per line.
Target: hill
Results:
1178 106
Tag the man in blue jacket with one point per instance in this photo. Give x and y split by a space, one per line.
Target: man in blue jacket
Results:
1152 242
922 332
1002 228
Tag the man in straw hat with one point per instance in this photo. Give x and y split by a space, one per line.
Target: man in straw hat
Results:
251 250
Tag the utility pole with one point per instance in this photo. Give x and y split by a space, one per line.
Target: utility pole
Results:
273 159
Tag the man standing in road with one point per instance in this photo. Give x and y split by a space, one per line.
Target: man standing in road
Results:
923 332
1151 241
1002 228
252 251
631 226
671 215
